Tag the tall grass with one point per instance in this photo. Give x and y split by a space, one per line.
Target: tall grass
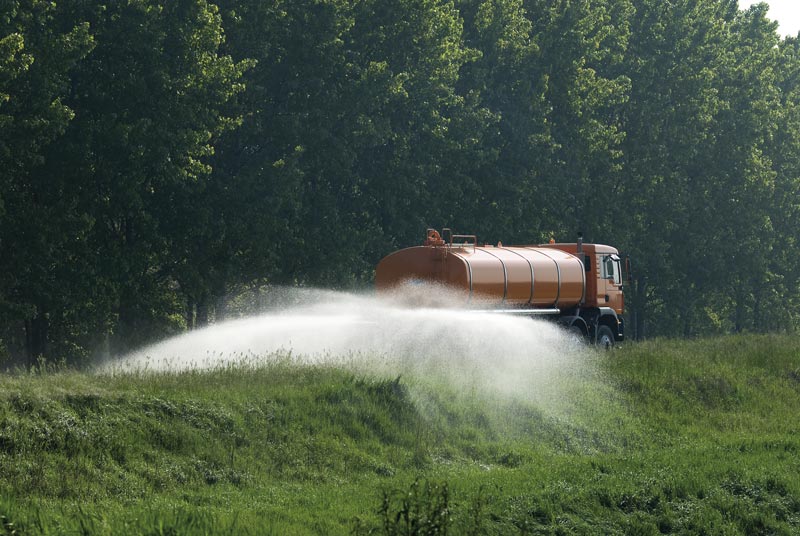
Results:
663 437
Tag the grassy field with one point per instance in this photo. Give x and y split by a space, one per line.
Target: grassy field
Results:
665 437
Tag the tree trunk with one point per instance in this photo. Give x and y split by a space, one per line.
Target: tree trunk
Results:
121 339
36 335
739 320
220 308
758 322
639 307
189 314
687 311
29 342
202 311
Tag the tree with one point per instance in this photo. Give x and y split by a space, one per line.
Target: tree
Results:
672 61
548 70
352 128
109 198
39 232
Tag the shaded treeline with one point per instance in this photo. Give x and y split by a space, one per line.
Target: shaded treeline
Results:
158 157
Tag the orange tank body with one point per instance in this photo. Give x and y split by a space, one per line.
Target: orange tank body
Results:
491 276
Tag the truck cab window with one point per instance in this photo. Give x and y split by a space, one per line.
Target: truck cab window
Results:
612 269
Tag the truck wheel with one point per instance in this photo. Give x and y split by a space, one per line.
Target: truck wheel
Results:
605 338
577 333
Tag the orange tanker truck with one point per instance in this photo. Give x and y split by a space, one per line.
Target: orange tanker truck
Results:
579 285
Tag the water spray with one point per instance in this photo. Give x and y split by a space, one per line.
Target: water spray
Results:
417 334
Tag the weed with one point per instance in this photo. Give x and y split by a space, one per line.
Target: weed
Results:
422 510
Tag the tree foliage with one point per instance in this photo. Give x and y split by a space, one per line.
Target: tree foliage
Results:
158 157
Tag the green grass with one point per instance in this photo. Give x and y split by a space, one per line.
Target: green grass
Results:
664 437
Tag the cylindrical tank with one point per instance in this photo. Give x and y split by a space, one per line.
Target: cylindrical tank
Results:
518 276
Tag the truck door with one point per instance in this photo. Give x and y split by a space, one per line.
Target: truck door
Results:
611 282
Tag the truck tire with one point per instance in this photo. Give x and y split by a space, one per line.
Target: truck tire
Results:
577 333
605 338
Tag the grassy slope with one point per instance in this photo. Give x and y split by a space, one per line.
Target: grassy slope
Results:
668 437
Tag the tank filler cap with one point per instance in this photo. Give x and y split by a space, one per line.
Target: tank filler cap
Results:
434 239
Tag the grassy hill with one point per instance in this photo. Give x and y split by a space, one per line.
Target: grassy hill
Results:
665 437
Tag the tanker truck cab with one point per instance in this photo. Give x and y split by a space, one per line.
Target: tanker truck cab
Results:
599 317
578 285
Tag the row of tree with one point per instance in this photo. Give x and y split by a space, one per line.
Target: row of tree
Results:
159 157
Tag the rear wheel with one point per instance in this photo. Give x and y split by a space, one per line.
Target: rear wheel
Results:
605 338
577 333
